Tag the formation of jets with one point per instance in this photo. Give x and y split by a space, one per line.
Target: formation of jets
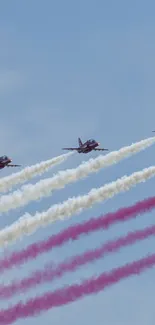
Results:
85 147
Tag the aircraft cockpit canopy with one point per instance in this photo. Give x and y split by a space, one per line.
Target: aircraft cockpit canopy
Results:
4 157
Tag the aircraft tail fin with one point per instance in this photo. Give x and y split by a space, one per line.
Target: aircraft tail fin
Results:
80 142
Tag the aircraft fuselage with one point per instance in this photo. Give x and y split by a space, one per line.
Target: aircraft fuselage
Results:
87 147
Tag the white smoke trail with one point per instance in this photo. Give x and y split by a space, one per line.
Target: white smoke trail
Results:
45 187
6 183
29 224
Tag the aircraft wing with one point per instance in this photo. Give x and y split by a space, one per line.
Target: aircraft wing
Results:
100 149
70 148
13 165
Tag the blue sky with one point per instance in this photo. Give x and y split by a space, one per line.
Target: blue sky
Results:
70 69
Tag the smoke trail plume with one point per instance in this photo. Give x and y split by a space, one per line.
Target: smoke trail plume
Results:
44 187
6 183
69 294
28 223
73 232
50 273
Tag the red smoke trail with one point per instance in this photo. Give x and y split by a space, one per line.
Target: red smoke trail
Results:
73 232
75 262
69 294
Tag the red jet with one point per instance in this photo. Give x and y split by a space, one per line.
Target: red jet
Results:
87 146
5 162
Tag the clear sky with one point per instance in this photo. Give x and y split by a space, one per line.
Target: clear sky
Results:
70 69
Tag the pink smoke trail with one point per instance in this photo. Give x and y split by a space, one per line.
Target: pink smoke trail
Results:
69 294
73 232
75 262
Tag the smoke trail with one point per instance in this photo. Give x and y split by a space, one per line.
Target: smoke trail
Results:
6 183
69 294
45 187
28 223
73 232
49 274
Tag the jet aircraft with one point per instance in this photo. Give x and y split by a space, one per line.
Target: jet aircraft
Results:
5 162
87 146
